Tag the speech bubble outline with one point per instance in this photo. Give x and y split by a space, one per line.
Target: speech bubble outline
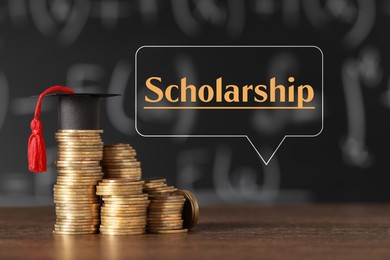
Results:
266 162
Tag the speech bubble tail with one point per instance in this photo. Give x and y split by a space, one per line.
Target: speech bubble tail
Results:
266 152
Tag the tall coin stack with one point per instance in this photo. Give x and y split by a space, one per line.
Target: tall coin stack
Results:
79 157
119 161
124 207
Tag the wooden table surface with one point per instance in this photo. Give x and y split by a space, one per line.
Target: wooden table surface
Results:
261 232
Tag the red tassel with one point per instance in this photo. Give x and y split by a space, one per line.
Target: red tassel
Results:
36 145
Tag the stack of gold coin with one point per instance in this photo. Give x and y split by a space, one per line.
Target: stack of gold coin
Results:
165 214
119 161
124 207
79 157
191 208
158 187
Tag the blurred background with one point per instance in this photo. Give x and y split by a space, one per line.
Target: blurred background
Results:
89 45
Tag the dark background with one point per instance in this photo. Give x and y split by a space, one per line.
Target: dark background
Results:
90 46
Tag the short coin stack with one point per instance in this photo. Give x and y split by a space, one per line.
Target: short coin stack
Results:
158 187
119 161
124 207
79 156
165 214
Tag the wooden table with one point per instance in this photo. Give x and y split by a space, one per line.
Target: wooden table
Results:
266 232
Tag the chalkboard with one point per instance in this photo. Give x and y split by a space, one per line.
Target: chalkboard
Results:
89 45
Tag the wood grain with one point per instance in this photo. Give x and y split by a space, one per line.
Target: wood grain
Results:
257 232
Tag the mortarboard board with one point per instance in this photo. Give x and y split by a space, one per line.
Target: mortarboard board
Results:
77 111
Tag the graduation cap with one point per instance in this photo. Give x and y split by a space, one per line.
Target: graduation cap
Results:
76 111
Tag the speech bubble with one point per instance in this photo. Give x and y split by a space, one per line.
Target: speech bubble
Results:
262 93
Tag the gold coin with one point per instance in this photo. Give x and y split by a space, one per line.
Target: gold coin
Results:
74 158
118 174
119 160
91 176
81 153
122 170
165 206
78 158
119 181
123 213
159 222
125 206
67 206
74 230
138 203
118 145
126 233
175 231
80 131
86 183
113 165
159 212
82 141
74 187
131 228
72 209
129 216
88 212
78 150
123 200
77 182
80 163
160 188
165 225
112 156
118 191
166 218
129 224
122 227
132 174
76 221
125 176
77 215
167 201
81 189
90 172
139 196
77 224
78 171
167 197
78 179
75 201
117 156
76 227
118 187
59 195
76 137
83 146
154 180
56 232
